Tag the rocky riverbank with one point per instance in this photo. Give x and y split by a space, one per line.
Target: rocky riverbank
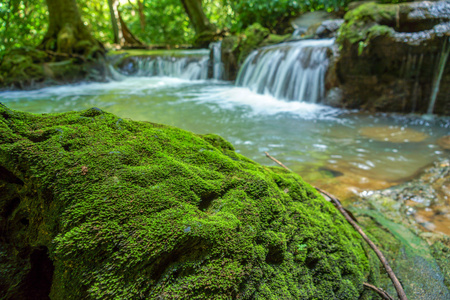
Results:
417 243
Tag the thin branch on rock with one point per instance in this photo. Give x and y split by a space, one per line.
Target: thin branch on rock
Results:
383 294
398 287
277 161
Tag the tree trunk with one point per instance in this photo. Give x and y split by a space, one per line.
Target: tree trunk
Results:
128 36
66 32
197 16
141 14
114 16
122 34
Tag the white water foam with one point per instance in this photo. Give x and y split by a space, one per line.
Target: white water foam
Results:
128 85
231 98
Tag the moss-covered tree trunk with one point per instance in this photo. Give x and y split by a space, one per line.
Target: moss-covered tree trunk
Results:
66 31
204 30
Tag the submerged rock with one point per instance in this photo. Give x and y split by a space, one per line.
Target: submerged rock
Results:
444 142
390 56
151 211
393 134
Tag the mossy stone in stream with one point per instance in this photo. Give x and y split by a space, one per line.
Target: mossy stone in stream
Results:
251 39
115 209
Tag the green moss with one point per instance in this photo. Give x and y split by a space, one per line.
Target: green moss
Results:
367 20
275 39
252 37
134 210
157 52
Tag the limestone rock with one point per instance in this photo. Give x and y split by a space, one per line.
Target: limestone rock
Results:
390 55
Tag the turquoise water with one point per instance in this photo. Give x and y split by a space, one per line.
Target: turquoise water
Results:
316 141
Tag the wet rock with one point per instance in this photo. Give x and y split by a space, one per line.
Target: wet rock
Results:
414 242
309 20
325 29
334 96
390 55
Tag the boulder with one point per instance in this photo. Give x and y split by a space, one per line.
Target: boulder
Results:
93 206
390 55
30 68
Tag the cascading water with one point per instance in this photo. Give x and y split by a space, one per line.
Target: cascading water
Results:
290 71
191 64
216 58
192 68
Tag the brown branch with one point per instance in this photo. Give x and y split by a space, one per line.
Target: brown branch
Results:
277 161
380 292
398 287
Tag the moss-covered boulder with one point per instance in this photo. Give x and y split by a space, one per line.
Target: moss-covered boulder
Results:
30 68
390 54
96 207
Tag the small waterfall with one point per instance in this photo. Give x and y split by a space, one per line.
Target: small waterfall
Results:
438 75
189 64
290 71
181 67
216 59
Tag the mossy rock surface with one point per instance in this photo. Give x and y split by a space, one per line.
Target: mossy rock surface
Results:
117 209
29 68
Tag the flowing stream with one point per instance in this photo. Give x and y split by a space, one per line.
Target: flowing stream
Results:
343 151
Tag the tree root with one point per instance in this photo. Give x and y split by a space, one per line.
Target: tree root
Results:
52 53
398 287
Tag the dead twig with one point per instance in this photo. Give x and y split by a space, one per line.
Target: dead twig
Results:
379 291
398 287
277 161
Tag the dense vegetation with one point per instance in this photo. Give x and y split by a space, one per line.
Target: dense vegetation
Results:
24 22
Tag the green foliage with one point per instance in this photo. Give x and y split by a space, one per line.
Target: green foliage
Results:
135 210
276 14
96 17
22 23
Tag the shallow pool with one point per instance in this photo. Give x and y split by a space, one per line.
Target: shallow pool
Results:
344 151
